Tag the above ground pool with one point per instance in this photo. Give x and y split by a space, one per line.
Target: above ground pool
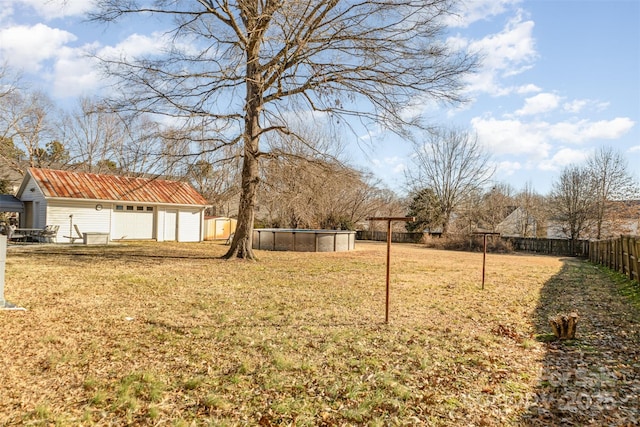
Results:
286 239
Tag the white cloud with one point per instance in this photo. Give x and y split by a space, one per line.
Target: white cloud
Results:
540 103
26 47
528 88
535 138
564 157
508 168
512 137
399 168
134 46
635 148
69 71
471 11
510 49
575 106
52 9
6 11
584 130
579 105
507 53
75 74
393 164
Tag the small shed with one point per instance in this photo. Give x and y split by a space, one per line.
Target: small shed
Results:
124 208
219 227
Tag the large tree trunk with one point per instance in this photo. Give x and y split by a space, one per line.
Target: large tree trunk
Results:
241 246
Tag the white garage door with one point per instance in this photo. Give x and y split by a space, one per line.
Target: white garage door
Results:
133 222
189 226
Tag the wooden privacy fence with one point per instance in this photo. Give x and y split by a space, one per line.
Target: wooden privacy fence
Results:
560 247
619 254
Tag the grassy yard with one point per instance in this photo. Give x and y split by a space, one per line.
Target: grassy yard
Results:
168 334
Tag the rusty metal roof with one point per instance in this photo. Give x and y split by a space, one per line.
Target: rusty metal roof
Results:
80 185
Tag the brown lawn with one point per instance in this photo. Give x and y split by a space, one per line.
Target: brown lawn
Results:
168 334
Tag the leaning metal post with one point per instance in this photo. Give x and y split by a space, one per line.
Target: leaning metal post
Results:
389 219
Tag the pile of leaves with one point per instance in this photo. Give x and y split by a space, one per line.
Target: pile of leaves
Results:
169 334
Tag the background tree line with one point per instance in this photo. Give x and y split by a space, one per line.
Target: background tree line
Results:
452 193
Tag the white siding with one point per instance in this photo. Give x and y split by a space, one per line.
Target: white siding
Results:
85 216
35 215
189 225
30 196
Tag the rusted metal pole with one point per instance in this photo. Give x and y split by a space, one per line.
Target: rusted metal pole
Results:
484 256
386 313
484 249
389 220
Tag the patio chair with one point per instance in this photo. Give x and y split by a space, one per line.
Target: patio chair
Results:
73 238
50 234
13 236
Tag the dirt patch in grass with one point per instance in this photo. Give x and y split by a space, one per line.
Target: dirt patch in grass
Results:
168 334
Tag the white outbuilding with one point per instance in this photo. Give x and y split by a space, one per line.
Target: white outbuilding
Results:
117 207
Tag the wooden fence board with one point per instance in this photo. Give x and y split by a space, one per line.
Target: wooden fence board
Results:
621 255
561 247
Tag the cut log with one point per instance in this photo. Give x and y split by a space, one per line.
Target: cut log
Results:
564 325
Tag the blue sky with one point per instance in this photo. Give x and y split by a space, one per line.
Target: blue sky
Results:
559 78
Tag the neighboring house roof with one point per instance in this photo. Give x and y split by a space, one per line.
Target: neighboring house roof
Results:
90 186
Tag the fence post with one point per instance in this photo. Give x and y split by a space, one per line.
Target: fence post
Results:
634 249
626 257
637 246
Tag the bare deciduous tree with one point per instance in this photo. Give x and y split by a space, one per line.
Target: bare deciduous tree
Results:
453 165
215 176
612 182
248 65
573 201
306 186
308 193
26 120
92 132
533 212
496 204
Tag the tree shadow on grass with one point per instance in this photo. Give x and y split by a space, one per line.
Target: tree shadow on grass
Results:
595 378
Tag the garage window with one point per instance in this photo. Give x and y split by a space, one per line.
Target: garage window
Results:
135 208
